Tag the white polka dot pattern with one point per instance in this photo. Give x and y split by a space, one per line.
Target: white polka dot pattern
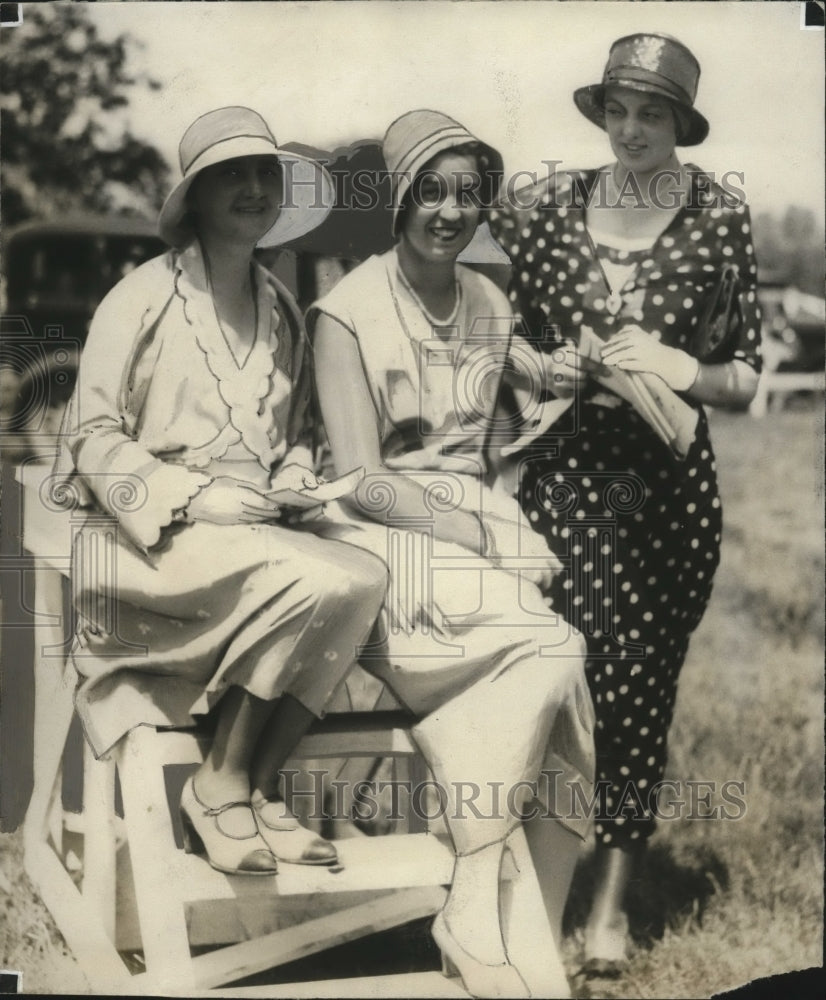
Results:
634 587
638 597
672 282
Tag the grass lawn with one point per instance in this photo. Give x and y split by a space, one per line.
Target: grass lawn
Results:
721 902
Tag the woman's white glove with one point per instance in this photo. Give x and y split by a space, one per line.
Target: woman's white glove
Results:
299 478
228 501
294 477
508 539
632 349
567 370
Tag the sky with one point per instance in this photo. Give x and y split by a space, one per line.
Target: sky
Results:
328 73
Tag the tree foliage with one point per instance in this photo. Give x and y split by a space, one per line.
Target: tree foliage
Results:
65 144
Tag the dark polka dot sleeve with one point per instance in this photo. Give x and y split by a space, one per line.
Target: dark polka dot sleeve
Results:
519 231
738 239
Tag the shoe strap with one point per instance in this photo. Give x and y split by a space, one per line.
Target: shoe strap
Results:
215 810
487 844
288 820
210 811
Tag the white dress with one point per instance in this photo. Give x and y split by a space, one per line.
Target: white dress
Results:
172 614
497 676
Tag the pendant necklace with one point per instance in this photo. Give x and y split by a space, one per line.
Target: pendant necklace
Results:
613 301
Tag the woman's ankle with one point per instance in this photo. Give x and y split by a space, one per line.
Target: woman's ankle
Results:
217 787
612 918
615 869
472 909
265 787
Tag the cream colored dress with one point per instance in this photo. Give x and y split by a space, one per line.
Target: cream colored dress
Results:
172 613
496 675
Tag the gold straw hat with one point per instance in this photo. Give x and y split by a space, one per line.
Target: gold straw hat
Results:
416 137
228 133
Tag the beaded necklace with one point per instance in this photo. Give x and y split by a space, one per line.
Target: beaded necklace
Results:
433 320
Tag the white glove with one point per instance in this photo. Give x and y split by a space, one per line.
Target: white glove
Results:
227 501
632 349
294 477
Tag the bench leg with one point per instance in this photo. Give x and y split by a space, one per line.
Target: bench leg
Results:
527 931
99 838
53 705
146 813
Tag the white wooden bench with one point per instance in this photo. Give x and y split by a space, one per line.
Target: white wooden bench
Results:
117 886
774 386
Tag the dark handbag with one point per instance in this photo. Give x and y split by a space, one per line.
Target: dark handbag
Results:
719 326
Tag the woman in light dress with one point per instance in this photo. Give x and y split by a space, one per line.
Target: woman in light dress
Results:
409 351
194 594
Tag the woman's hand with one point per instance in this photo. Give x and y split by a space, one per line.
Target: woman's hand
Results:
567 369
564 369
632 349
294 477
227 501
299 478
516 539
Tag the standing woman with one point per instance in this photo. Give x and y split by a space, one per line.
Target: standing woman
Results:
409 351
635 251
192 397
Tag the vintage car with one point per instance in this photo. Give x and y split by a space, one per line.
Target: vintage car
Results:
56 273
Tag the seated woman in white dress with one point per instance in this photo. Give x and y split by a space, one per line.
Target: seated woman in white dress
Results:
190 408
409 350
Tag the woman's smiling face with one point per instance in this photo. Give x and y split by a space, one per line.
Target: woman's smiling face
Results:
237 200
641 127
443 208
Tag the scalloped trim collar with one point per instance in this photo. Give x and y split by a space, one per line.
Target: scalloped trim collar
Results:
243 389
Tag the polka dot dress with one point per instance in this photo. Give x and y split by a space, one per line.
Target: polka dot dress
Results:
637 530
640 550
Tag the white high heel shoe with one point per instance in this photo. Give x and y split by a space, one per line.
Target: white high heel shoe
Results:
487 982
606 949
288 840
230 853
